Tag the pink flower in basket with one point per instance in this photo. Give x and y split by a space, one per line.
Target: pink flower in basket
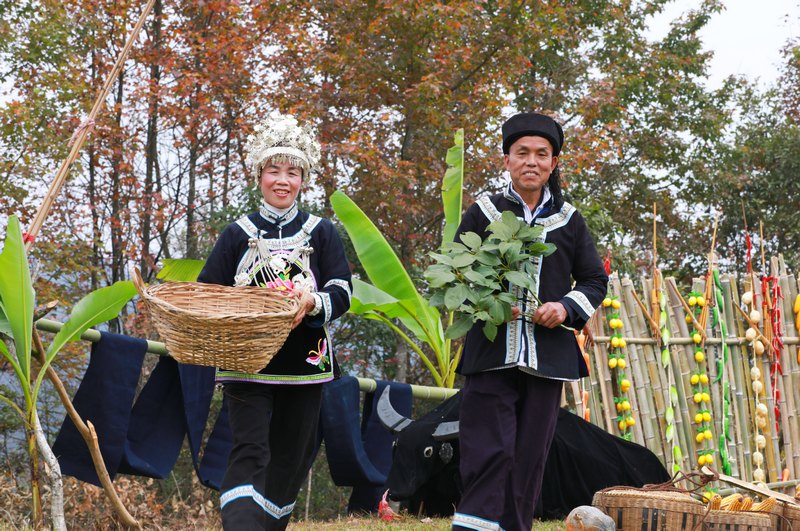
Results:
281 284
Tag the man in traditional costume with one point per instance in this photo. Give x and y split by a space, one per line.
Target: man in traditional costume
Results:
513 384
274 413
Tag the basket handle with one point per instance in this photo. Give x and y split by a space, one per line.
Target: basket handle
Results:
136 277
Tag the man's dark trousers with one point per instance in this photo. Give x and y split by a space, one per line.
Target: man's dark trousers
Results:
508 419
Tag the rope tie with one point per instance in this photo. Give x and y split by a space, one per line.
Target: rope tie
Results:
87 124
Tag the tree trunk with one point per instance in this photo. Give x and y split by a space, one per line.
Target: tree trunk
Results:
53 471
151 148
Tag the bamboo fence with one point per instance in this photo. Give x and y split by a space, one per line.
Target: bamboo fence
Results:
649 392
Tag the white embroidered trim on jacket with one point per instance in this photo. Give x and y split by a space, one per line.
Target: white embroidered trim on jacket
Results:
583 303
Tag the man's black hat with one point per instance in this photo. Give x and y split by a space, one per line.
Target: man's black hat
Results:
532 124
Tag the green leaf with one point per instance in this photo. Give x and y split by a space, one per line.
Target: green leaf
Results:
488 259
542 249
461 325
497 312
520 279
464 260
501 230
453 246
490 330
511 248
5 326
452 186
677 454
368 298
437 278
474 276
16 292
471 240
454 296
181 269
97 307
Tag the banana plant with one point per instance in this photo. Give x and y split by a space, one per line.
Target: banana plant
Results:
17 301
391 295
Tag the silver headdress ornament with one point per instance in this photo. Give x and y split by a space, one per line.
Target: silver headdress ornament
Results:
280 138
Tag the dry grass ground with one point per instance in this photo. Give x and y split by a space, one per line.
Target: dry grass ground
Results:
86 507
405 523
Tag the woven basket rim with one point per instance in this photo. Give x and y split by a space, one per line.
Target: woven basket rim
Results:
151 294
665 495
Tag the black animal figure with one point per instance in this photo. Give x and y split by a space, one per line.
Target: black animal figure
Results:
582 460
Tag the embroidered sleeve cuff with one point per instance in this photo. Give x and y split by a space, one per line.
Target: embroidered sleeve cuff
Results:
581 303
317 305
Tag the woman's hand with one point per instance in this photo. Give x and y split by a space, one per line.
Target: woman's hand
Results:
306 301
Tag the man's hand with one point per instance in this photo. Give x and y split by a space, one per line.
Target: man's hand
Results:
550 314
306 301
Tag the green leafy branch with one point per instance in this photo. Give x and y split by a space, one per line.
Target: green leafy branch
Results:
470 277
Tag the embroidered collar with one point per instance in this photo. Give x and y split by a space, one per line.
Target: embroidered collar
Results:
277 216
542 207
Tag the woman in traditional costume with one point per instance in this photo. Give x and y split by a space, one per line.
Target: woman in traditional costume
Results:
274 413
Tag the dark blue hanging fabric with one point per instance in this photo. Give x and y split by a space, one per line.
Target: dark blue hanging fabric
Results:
378 442
104 398
156 429
347 459
197 386
215 455
145 439
173 403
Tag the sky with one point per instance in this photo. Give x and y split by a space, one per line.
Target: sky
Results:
746 37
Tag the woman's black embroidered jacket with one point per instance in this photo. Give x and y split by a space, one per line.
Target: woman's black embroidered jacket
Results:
307 356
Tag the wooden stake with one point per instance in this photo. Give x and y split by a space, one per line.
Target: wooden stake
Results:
81 133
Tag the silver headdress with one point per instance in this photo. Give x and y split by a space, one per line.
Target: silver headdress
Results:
280 138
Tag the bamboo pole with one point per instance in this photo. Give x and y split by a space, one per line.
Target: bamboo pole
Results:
82 132
791 374
736 448
648 417
683 422
789 427
603 376
366 385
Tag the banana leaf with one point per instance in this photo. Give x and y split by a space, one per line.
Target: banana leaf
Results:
17 295
367 298
452 186
181 269
386 271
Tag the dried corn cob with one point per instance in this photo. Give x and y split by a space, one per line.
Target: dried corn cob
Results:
735 506
746 503
728 500
764 506
715 502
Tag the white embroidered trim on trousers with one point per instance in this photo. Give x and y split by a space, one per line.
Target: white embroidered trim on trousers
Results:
473 522
248 491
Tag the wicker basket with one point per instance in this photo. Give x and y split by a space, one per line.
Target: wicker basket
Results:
791 516
237 329
739 520
650 510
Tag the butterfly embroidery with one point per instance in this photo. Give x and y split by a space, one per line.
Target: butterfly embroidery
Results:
319 357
